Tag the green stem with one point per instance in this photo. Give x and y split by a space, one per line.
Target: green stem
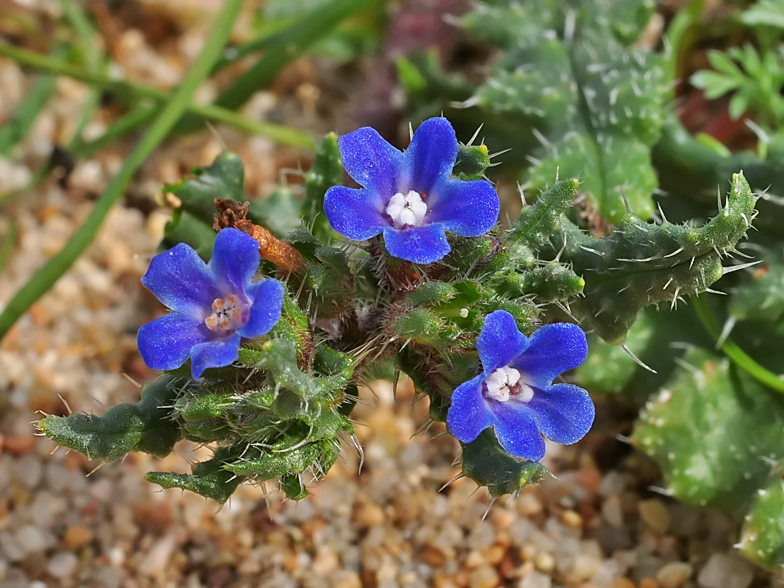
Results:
279 133
735 353
171 113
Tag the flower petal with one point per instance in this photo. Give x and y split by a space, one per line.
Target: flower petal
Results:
371 161
500 341
356 214
516 430
552 350
166 343
430 157
468 209
235 259
468 415
181 280
564 412
424 244
212 354
265 311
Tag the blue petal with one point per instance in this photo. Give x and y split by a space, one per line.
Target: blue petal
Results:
265 311
516 431
212 354
552 350
468 209
500 341
564 412
371 161
424 244
181 280
430 157
356 214
468 415
165 343
235 259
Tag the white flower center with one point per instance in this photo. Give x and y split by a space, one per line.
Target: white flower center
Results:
507 383
408 210
228 315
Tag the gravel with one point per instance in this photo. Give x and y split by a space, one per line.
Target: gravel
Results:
387 527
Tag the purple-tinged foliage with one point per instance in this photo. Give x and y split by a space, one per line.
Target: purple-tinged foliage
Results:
212 305
515 393
409 197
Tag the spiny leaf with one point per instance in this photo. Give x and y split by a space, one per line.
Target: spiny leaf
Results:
487 464
209 478
596 104
641 263
124 428
762 537
713 429
538 221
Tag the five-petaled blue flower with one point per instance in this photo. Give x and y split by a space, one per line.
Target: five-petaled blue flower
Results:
409 197
515 393
213 305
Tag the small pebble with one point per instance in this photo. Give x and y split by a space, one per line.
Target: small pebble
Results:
572 519
77 536
612 512
484 577
674 574
62 564
535 580
655 514
649 583
726 570
544 562
369 515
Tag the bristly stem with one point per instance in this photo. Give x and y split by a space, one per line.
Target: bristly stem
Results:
279 133
733 351
171 113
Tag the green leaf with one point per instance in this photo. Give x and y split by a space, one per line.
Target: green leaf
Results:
713 430
714 84
124 428
764 13
762 536
223 179
279 212
209 478
487 464
326 171
595 104
641 263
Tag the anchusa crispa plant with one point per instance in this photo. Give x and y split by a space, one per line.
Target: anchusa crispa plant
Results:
265 343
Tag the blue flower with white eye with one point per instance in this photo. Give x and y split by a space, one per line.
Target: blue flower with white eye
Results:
515 393
213 306
409 197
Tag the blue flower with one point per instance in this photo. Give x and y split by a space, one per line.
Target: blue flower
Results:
213 305
515 393
409 197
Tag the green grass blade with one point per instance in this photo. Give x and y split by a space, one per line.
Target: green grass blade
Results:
279 133
160 128
16 128
8 243
733 351
287 47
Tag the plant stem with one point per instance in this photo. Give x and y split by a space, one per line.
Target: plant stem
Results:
735 353
40 283
279 133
